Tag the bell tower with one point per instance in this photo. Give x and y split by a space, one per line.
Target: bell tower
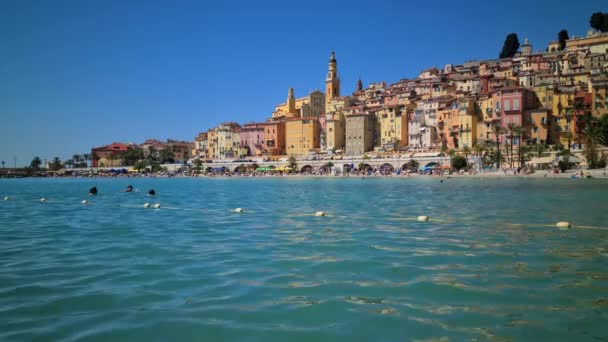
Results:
332 82
291 102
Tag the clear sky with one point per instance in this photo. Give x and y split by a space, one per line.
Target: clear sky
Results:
77 74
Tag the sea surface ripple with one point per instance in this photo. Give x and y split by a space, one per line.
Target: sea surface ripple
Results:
488 266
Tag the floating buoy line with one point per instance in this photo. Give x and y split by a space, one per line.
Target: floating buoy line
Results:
561 225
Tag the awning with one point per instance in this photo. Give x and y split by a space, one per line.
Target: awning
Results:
571 159
542 160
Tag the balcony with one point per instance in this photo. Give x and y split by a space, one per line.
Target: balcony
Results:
465 129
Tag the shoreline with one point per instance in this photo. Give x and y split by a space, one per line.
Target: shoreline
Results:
595 174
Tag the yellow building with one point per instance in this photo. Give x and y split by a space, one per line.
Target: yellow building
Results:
302 135
211 143
332 82
311 105
599 96
484 127
392 122
562 126
335 124
536 126
544 94
468 123
596 42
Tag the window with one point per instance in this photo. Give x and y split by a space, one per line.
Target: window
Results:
516 104
506 105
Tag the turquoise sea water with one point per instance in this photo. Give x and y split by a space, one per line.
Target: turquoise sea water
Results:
485 268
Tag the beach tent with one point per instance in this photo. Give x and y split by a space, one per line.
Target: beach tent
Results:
538 161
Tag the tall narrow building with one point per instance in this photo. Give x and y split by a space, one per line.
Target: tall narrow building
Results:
332 82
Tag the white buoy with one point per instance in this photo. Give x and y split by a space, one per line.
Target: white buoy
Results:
84 201
423 218
146 205
6 198
320 213
239 210
43 199
157 206
563 225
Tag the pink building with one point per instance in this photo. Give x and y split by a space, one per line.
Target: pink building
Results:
510 104
252 137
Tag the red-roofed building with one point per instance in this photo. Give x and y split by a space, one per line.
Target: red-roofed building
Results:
108 156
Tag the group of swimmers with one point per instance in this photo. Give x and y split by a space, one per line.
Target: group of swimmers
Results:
93 191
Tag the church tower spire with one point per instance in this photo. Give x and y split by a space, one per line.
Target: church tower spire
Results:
332 82
291 102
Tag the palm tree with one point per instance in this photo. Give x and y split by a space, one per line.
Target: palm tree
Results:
56 164
594 138
568 137
511 135
466 151
77 158
293 164
539 150
452 153
518 132
86 157
497 130
478 150
35 164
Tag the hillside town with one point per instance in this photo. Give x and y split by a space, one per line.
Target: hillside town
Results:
546 98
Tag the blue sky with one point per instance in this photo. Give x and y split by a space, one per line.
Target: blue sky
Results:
77 74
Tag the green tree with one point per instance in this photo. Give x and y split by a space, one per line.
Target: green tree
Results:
35 164
511 135
86 157
140 165
497 130
479 150
599 21
459 162
451 153
603 127
562 37
293 164
510 46
466 151
55 164
133 155
77 158
594 138
152 155
198 166
166 155
155 166
568 137
539 150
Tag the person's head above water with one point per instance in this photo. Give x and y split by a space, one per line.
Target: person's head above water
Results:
129 188
151 192
93 191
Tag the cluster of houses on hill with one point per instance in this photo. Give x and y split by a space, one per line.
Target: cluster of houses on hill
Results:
549 96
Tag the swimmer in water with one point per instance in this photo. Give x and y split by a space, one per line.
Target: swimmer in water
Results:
93 191
151 192
129 188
